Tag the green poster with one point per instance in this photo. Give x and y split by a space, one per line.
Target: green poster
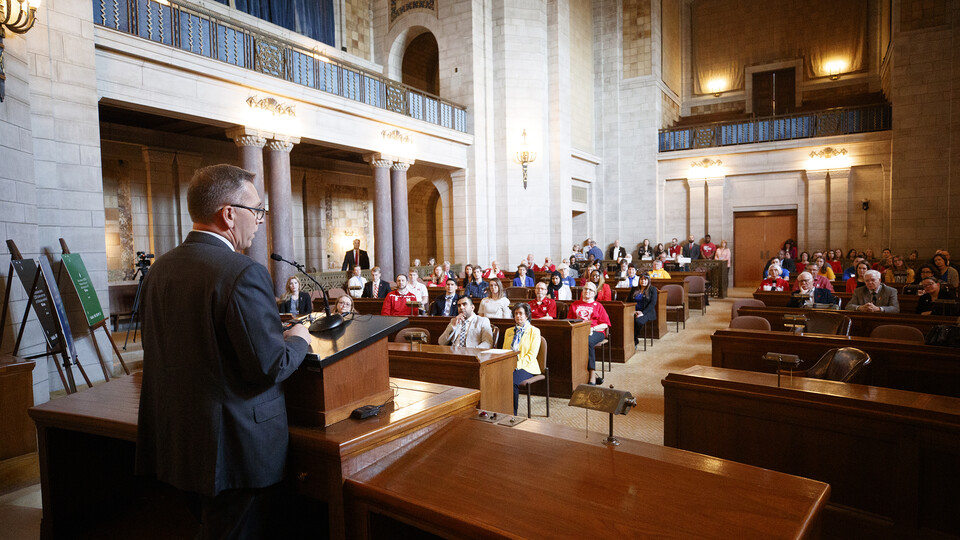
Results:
81 281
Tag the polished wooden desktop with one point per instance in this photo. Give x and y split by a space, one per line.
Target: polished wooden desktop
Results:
490 371
538 480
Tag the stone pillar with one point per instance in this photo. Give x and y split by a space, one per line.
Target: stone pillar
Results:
382 215
714 209
280 219
161 210
817 210
838 182
401 219
697 226
187 165
250 149
128 258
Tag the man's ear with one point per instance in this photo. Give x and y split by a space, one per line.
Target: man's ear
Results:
227 217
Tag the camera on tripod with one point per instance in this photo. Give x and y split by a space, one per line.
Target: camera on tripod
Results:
143 261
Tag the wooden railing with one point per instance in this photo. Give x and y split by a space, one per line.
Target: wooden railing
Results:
839 121
194 29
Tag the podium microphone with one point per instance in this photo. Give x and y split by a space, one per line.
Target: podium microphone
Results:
322 324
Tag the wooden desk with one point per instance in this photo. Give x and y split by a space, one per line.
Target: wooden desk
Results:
572 489
491 372
908 303
863 323
87 447
620 332
892 458
894 364
659 329
566 351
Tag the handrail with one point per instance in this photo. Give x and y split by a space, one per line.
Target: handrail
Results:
823 123
200 31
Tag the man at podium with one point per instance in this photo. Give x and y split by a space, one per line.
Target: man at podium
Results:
212 418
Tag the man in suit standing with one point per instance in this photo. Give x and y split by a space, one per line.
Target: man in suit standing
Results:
212 418
691 249
616 252
467 329
376 287
875 296
355 257
446 305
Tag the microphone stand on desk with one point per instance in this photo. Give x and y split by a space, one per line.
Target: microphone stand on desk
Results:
323 324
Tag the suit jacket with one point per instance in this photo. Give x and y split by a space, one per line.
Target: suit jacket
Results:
526 282
616 253
479 333
820 296
692 251
382 291
349 261
436 308
886 299
212 412
304 304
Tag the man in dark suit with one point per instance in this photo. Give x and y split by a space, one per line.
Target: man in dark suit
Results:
212 419
691 249
616 252
446 305
808 294
355 257
376 287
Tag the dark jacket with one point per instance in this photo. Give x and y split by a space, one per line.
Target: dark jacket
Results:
304 304
348 261
436 308
382 291
820 296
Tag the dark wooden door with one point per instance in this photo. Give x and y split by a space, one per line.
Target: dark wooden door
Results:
774 92
757 236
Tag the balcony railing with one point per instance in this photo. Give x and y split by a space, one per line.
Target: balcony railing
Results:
839 121
199 31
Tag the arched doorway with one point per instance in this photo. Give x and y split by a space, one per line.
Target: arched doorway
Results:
426 222
421 64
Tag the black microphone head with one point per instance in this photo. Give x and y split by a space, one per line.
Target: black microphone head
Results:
276 257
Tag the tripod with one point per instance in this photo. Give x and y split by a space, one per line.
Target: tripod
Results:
135 312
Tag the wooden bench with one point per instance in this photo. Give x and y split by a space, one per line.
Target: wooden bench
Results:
863 323
908 303
897 364
891 457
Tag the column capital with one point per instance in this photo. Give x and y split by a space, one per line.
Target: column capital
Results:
156 156
715 182
378 160
245 136
401 165
818 175
839 174
696 182
280 145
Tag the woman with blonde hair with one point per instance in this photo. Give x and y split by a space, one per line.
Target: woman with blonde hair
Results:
496 305
438 278
294 300
344 305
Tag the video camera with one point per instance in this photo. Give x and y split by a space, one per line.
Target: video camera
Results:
143 261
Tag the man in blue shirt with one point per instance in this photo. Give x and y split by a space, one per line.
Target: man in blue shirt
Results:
597 254
522 279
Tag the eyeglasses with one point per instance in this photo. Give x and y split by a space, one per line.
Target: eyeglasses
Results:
258 213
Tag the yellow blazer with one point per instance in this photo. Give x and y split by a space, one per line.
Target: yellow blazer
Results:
529 347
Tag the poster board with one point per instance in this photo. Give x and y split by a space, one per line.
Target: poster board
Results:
77 271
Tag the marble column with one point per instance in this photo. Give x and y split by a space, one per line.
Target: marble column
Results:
280 218
250 148
698 225
401 217
382 215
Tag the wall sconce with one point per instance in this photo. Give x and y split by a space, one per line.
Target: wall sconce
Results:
525 156
348 234
828 153
18 16
716 86
834 68
828 158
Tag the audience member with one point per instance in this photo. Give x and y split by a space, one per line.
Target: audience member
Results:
936 300
723 253
645 295
631 280
886 261
819 280
542 306
898 272
522 279
449 273
801 265
356 282
493 272
344 305
295 301
923 272
524 338
395 303
645 252
913 256
467 273
529 262
774 282
807 294
659 250
595 251
476 287
946 274
495 305
438 278
787 264
548 266
790 249
603 295
852 271
675 249
446 305
558 290
467 329
825 269
833 258
658 271
588 309
578 254
566 278
418 288
375 288
616 252
857 281
355 257
708 248
784 273
852 254
874 296
691 249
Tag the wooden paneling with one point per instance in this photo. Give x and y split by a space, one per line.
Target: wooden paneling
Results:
17 436
862 322
757 236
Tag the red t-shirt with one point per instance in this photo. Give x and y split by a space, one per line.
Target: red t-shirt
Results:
707 250
675 250
780 285
539 310
396 304
592 312
489 271
545 268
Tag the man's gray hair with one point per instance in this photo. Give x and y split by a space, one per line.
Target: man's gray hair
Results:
801 278
873 273
214 187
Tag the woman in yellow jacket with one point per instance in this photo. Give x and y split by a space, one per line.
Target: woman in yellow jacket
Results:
525 339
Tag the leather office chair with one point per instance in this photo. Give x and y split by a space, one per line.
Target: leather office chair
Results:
822 322
402 334
741 302
897 331
749 322
841 365
696 288
544 375
675 303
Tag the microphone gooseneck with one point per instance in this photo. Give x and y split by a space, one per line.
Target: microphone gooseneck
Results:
330 321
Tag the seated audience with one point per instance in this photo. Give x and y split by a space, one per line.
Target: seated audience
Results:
493 272
495 305
886 261
774 282
645 252
467 329
524 338
833 259
375 288
947 274
477 287
874 296
801 265
913 256
344 305
356 282
604 294
784 273
631 280
658 271
856 281
588 309
659 250
853 271
825 269
418 288
548 266
786 263
565 276
820 281
395 303
294 301
446 305
789 248
450 273
557 289
936 300
923 272
645 295
522 279
595 251
852 254
807 294
438 278
899 272
542 306
577 254
529 262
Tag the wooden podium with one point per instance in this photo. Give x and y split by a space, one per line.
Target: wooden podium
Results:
346 368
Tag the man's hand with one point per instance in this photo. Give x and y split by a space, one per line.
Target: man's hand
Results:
869 307
299 331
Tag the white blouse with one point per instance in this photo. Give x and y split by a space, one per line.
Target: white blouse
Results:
496 309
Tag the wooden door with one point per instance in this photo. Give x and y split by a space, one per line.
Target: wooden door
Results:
774 92
757 236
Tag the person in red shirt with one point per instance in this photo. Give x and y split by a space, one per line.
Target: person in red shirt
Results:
774 282
493 272
396 301
675 249
543 307
708 248
548 266
588 309
598 279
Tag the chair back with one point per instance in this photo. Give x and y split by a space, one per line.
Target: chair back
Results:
496 336
740 302
562 309
674 294
822 322
336 292
402 334
695 284
841 364
518 293
542 355
897 331
750 322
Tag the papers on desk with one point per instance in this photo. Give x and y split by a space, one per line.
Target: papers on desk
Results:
498 351
683 260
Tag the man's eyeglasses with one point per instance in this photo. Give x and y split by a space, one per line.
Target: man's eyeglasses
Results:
258 213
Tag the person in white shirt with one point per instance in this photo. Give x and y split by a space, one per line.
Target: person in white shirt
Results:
418 288
356 282
495 305
631 280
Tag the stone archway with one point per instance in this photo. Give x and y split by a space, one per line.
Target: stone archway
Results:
426 221
420 66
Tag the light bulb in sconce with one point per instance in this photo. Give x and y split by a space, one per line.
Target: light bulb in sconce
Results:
716 87
525 156
834 68
18 16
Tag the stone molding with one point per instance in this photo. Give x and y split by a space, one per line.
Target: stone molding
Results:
279 146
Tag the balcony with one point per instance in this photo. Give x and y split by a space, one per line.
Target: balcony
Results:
205 33
837 121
